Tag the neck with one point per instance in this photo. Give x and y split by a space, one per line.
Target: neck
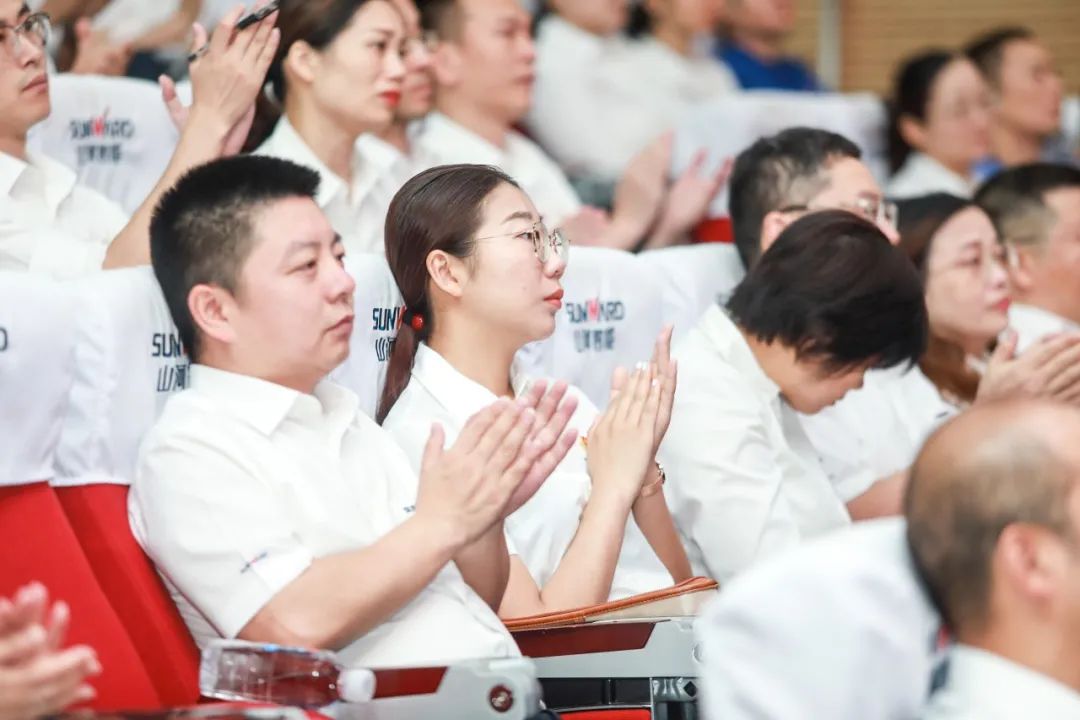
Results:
457 342
397 134
331 143
475 119
223 360
1043 649
676 38
765 46
1044 298
14 145
1013 147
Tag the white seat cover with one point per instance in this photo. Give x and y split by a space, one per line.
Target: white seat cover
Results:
694 278
378 308
839 628
37 365
129 361
612 312
114 132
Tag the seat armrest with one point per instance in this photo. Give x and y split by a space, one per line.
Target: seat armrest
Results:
682 600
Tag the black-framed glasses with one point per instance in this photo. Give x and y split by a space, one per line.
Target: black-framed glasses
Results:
35 30
876 210
546 243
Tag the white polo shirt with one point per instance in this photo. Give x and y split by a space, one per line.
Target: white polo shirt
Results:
243 483
980 685
357 211
743 481
449 143
922 175
50 224
1032 324
544 527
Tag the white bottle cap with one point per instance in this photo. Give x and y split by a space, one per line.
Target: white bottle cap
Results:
356 685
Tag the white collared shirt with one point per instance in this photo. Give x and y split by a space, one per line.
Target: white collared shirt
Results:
542 530
448 143
357 211
922 175
743 481
1032 324
49 223
981 685
242 483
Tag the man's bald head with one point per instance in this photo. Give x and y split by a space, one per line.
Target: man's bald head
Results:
992 468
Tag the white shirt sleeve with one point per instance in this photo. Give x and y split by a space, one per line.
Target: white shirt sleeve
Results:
230 556
725 480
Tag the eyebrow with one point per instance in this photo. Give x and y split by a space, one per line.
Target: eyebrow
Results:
24 11
387 31
519 215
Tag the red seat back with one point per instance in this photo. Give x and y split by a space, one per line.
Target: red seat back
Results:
40 545
98 514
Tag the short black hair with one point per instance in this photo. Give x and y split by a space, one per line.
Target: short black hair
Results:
1015 199
443 17
835 290
988 50
785 169
202 228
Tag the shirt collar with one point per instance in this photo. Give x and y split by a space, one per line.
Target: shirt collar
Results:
457 393
922 163
60 180
266 405
285 142
456 143
1027 318
1010 690
11 169
732 346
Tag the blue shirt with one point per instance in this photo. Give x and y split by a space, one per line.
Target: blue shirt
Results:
754 73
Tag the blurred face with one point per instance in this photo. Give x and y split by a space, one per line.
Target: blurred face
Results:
813 386
357 78
599 17
1030 89
691 17
491 64
956 128
24 84
292 315
508 289
967 293
418 86
1053 268
773 17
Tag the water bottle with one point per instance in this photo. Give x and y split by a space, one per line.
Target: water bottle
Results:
259 672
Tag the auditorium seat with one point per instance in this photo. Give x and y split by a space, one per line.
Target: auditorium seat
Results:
37 367
114 132
693 278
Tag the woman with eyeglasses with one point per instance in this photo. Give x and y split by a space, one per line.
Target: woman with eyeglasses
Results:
480 276
940 125
337 74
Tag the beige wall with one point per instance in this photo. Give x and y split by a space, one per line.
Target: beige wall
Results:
878 34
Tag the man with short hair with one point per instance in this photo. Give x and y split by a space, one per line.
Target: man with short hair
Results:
993 522
48 223
274 509
1036 209
1027 91
484 68
755 49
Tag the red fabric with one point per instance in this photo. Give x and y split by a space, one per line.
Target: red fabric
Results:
615 714
98 513
714 230
39 544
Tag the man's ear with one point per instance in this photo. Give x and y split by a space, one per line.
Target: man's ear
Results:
1024 268
447 64
213 310
772 225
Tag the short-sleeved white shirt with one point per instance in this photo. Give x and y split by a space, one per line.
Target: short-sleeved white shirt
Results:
542 529
1032 324
356 211
50 224
242 483
743 480
446 142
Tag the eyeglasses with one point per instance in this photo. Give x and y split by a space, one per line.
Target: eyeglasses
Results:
34 30
988 260
876 210
545 243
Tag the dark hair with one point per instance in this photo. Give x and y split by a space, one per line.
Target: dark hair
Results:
202 230
316 22
787 168
439 209
988 51
833 288
443 17
944 362
641 21
912 88
1015 199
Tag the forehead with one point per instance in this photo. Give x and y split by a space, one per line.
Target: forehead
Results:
409 14
848 178
969 224
494 10
12 10
377 15
278 224
504 201
1065 203
1023 52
